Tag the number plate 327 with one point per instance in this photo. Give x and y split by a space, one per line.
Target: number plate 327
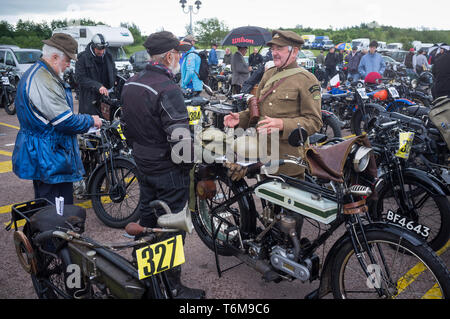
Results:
160 257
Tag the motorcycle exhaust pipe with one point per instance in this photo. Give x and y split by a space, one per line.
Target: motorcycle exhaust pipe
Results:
259 265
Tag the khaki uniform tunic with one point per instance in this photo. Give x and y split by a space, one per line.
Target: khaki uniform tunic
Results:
297 100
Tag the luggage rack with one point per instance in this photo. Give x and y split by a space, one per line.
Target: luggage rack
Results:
25 210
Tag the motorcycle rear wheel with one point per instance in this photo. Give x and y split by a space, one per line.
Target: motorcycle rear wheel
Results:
11 107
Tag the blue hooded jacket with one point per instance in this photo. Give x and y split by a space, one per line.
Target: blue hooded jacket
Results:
46 146
371 63
189 70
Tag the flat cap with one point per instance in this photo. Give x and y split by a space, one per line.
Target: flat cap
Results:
164 41
286 38
65 43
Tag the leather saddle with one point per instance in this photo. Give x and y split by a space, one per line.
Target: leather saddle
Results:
327 162
46 219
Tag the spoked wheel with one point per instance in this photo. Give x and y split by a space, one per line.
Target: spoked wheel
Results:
360 120
333 123
401 270
226 231
116 205
49 282
8 102
427 214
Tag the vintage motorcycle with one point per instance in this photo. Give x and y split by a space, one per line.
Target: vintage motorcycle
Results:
111 179
7 90
371 259
64 264
413 198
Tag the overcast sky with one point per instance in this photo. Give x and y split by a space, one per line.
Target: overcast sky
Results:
155 15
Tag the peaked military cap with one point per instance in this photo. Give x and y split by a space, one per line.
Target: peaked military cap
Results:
286 38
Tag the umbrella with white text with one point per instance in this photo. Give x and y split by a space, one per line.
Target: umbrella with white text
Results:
247 36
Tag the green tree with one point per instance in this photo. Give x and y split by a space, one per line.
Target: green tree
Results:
210 31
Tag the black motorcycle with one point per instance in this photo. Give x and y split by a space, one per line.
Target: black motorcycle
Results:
371 259
7 90
65 264
410 197
111 179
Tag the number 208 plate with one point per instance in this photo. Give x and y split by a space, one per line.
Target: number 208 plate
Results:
160 257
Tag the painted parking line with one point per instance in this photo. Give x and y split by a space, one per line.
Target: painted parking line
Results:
9 125
6 153
415 272
5 167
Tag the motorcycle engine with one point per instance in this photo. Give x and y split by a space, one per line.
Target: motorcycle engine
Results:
284 254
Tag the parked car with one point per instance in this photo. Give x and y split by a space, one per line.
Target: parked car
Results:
391 62
19 59
220 54
304 61
139 59
309 54
397 55
327 44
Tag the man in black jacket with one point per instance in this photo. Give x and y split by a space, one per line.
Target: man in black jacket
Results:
157 126
441 73
95 73
331 61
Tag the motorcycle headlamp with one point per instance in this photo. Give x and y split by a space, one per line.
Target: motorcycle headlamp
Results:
361 159
414 83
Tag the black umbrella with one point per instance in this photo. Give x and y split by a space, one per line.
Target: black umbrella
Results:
247 36
435 48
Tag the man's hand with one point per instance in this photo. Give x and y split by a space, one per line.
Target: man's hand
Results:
97 121
231 120
269 124
103 91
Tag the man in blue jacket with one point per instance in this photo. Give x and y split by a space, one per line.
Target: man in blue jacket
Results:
190 69
46 149
212 58
372 61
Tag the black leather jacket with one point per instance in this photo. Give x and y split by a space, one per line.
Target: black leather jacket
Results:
153 109
91 76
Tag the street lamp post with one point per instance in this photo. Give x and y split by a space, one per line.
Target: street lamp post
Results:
190 9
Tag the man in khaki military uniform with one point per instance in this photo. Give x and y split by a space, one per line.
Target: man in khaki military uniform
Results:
297 100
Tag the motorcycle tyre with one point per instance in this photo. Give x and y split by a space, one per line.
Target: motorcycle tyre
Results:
97 204
424 253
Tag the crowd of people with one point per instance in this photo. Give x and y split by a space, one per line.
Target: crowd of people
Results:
47 151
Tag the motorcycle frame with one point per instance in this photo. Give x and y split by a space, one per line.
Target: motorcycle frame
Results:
353 224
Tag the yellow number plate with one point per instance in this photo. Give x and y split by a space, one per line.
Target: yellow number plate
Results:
195 114
160 257
119 130
406 140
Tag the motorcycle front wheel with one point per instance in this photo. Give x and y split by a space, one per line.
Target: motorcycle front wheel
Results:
211 229
116 205
401 270
360 120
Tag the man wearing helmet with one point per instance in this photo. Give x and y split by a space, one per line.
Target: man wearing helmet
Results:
95 72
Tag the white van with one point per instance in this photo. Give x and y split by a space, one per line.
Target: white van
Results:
395 46
362 43
117 37
19 59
